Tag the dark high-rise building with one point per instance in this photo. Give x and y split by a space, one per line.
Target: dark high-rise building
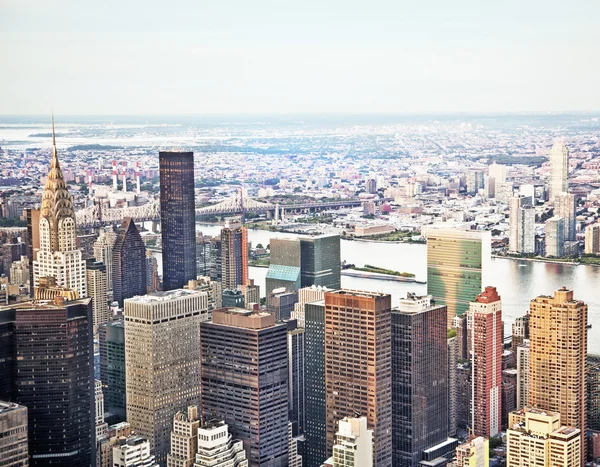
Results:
178 218
296 371
320 261
129 263
592 373
13 435
52 375
233 299
234 256
203 256
112 370
315 430
419 382
33 241
216 270
245 381
281 303
358 365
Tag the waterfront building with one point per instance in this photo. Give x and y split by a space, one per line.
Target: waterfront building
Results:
473 453
103 252
566 208
558 334
592 239
486 346
522 225
111 338
320 261
555 237
457 262
419 382
284 265
13 435
536 438
129 262
58 327
358 336
523 375
184 438
58 255
237 343
217 448
178 218
234 255
133 451
97 288
162 352
559 170
315 430
593 391
353 444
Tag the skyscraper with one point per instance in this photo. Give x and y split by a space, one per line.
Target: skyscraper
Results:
523 375
522 225
112 369
555 237
419 382
296 395
566 209
314 369
103 252
53 376
234 255
487 341
245 381
558 334
97 287
162 361
358 367
13 433
58 255
452 382
559 170
284 266
593 391
592 239
178 218
457 263
320 261
129 262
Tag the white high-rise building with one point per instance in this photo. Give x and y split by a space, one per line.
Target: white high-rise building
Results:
565 208
217 448
97 288
555 237
523 375
103 252
294 459
314 293
522 225
58 255
184 438
559 170
354 444
101 425
19 271
133 451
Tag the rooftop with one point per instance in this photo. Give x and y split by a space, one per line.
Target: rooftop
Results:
157 297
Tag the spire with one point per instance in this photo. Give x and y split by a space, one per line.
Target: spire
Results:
54 161
53 134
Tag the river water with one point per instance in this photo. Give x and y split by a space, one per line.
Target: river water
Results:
517 281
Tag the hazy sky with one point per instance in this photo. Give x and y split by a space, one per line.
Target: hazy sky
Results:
229 56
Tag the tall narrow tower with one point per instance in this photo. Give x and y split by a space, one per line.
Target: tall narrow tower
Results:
559 170
58 255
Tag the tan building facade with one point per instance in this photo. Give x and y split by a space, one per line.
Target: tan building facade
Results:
358 377
558 346
184 438
162 361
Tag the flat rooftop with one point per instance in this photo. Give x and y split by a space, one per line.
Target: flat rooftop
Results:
157 297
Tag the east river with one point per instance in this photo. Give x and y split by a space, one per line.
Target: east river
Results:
517 281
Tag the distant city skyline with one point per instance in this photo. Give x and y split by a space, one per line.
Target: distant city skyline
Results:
236 57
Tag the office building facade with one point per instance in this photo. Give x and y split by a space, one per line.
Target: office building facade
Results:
111 338
320 261
358 336
162 352
419 380
103 252
14 451
184 438
129 263
285 265
245 381
234 256
592 371
296 388
97 289
523 375
178 218
457 262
